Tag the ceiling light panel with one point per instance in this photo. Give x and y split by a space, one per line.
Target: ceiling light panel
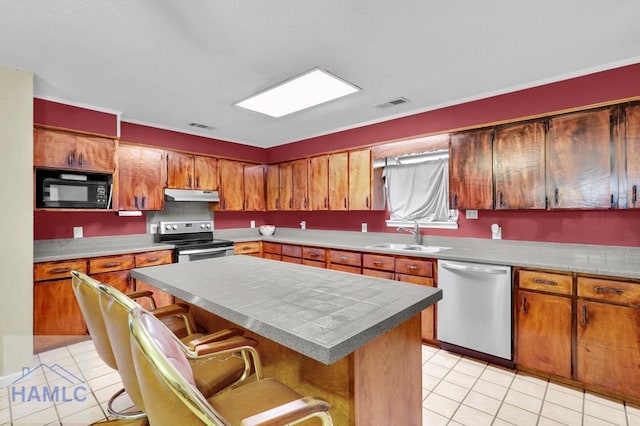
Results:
312 88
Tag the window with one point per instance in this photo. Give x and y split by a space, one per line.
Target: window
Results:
417 188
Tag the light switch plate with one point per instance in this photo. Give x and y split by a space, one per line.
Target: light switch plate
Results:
471 214
253 224
78 232
364 226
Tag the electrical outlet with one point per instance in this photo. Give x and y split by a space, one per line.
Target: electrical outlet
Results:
364 226
78 232
153 228
303 224
471 214
253 224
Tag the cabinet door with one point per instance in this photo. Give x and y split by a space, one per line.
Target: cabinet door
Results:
543 333
63 150
141 178
319 182
339 181
120 280
632 140
254 187
161 298
518 166
470 170
608 347
300 184
179 170
272 187
427 316
286 186
152 258
360 180
231 185
579 156
55 309
206 173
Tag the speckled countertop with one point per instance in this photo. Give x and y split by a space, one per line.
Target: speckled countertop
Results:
320 313
593 259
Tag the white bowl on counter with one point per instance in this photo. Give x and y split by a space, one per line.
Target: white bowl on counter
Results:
267 229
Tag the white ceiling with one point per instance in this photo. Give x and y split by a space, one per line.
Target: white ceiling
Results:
168 63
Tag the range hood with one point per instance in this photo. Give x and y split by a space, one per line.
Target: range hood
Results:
191 195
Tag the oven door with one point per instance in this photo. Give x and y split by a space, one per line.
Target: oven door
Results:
189 255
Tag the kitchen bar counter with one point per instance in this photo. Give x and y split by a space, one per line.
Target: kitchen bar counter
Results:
320 313
350 339
616 261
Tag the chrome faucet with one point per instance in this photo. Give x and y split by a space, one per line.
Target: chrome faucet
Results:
415 231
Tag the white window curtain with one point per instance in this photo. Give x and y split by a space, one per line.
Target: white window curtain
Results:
418 189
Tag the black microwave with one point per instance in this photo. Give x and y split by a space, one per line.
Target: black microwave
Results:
66 190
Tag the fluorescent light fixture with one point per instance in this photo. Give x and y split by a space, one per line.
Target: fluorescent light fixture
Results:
312 88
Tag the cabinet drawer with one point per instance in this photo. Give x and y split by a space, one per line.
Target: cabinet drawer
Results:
291 251
377 261
414 266
345 268
545 281
315 263
273 248
379 274
55 270
110 263
314 253
609 290
415 279
345 257
247 247
151 258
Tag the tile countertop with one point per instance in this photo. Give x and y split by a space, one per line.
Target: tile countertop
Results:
320 313
614 261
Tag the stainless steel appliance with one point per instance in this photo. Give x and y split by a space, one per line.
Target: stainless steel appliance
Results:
193 240
67 190
475 310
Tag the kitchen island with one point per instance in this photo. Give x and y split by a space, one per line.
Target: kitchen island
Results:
351 339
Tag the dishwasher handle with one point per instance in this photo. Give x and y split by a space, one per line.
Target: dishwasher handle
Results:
479 269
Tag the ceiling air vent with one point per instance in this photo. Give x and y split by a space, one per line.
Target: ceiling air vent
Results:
201 126
393 102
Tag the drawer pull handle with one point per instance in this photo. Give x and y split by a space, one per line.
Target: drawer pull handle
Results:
154 259
544 282
344 258
604 290
60 270
111 264
378 262
584 315
524 304
314 254
413 267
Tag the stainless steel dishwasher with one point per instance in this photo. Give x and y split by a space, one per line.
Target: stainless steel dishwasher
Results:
475 310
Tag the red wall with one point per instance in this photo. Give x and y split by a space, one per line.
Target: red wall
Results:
591 227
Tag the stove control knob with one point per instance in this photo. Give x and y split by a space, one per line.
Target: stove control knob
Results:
175 227
202 226
167 227
208 225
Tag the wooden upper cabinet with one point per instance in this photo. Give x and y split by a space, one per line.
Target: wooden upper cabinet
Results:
186 171
286 186
63 150
206 173
231 185
300 178
518 166
319 182
254 177
272 187
360 180
631 126
141 178
470 170
339 181
579 160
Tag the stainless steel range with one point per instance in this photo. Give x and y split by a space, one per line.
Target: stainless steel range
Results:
193 240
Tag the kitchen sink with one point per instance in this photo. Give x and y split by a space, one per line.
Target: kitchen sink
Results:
410 247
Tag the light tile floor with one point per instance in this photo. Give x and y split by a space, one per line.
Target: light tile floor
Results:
456 391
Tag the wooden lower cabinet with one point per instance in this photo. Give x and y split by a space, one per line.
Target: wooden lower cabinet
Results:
314 256
346 261
608 335
56 311
291 253
153 258
419 271
272 251
543 335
